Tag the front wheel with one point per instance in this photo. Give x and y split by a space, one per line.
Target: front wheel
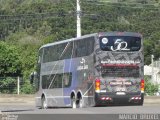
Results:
44 103
73 103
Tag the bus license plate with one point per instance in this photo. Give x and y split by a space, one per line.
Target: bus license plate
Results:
120 89
120 93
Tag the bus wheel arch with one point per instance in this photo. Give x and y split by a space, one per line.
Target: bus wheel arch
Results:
43 102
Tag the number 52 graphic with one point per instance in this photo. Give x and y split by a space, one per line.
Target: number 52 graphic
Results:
119 45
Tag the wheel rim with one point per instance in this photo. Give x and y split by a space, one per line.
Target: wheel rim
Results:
74 104
81 103
44 103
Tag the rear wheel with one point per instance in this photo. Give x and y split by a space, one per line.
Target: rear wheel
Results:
142 100
80 103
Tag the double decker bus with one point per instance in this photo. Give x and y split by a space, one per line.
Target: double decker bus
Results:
92 70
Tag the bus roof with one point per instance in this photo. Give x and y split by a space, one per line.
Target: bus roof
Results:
94 34
120 34
67 40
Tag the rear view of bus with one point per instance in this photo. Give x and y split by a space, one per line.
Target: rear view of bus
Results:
119 69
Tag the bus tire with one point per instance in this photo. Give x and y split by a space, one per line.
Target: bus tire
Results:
44 103
73 103
80 103
80 100
142 100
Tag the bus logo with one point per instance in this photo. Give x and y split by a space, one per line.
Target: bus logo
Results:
119 45
83 61
82 66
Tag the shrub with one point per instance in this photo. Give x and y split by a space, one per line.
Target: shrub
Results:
150 88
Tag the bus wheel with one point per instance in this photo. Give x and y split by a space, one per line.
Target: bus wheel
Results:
44 103
73 103
80 103
141 102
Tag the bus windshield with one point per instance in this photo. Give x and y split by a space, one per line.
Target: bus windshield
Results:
120 43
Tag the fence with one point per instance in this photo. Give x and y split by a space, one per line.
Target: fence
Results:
157 64
10 85
156 72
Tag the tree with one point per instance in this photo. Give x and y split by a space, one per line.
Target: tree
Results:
148 51
10 63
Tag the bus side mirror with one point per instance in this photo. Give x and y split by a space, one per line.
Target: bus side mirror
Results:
32 77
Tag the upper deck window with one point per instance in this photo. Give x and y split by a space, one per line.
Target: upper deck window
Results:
120 43
77 48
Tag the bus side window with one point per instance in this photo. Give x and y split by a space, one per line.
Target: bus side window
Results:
84 47
80 48
67 80
46 55
91 44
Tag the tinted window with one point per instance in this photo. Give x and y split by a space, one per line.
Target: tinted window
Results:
68 51
84 47
120 43
77 48
53 53
56 81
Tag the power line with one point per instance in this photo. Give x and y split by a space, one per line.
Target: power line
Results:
21 19
47 15
141 8
118 2
57 14
34 16
122 4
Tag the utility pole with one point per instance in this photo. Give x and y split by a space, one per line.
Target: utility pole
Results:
78 19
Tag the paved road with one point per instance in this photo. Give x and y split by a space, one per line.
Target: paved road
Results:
22 112
23 108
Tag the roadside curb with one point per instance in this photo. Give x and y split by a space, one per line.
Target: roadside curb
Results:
17 99
152 100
